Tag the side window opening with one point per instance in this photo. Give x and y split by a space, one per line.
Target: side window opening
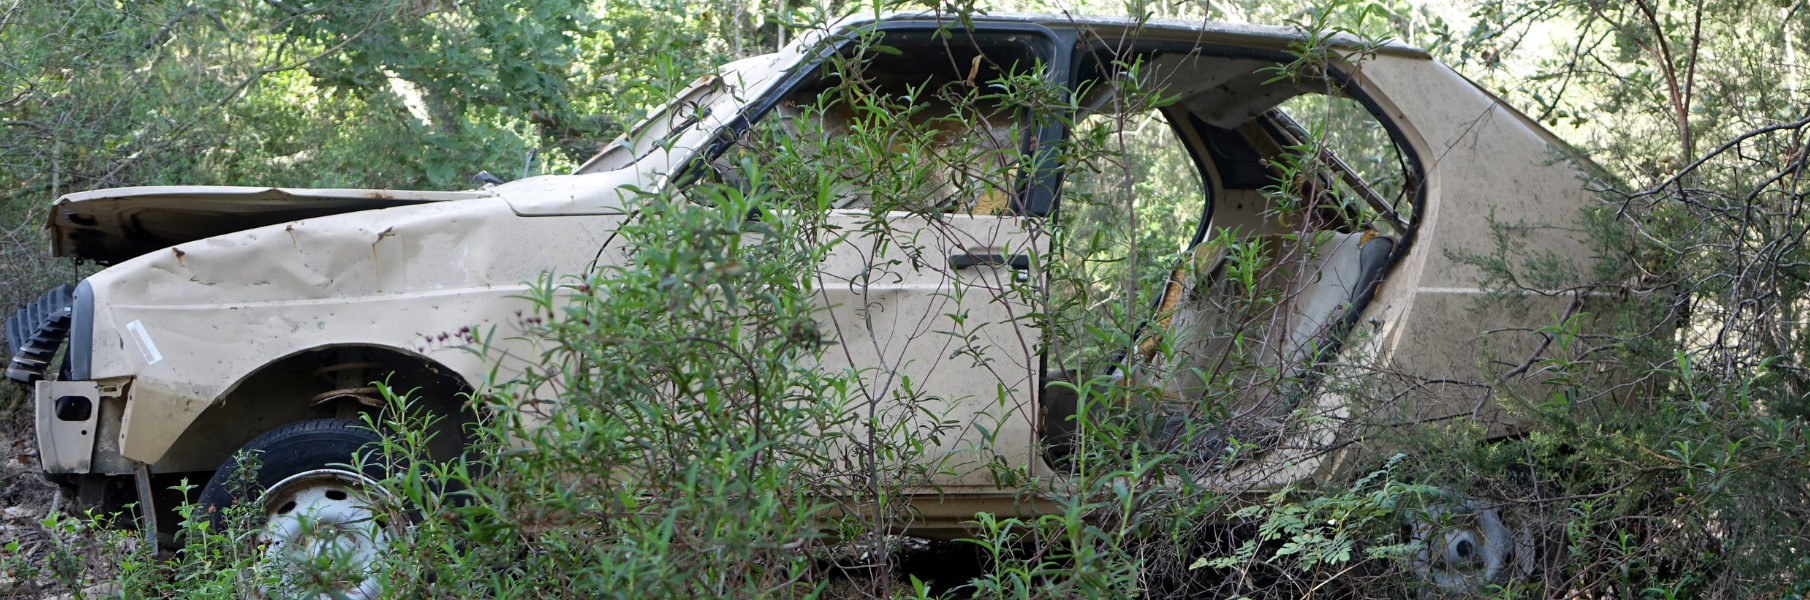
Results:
1133 203
1140 205
916 123
1361 158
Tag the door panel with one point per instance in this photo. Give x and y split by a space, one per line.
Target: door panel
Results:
935 315
927 291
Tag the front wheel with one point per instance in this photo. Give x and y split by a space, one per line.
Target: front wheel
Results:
317 515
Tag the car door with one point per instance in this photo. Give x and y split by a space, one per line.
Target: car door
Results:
936 217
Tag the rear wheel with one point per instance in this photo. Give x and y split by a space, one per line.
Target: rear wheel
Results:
317 516
1466 545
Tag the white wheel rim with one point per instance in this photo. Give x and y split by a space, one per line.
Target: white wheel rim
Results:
1463 547
324 522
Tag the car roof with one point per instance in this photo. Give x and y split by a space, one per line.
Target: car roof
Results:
1195 30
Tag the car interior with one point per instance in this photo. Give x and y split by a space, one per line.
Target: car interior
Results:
1250 299
1265 205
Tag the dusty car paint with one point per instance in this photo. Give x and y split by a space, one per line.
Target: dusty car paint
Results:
184 327
189 323
112 225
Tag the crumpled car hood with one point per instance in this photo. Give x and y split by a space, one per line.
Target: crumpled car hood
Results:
113 225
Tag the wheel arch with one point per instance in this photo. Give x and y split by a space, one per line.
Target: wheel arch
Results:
283 391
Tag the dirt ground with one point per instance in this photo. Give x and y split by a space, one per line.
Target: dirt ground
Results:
26 499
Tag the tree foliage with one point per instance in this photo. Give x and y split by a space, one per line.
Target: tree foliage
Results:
393 94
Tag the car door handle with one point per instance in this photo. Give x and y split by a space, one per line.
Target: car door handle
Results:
964 260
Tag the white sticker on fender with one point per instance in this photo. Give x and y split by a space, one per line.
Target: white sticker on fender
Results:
144 343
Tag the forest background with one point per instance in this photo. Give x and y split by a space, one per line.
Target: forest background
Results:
1695 109
423 94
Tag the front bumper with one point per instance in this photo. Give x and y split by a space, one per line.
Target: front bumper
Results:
69 423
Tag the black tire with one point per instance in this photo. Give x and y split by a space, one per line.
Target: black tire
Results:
285 451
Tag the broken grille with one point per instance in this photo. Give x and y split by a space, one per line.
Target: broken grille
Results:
34 334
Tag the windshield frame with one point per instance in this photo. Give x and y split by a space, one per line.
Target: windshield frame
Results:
690 107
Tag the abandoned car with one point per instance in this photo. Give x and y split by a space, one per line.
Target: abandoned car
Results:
234 318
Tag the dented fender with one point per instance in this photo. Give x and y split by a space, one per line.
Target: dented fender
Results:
113 225
191 322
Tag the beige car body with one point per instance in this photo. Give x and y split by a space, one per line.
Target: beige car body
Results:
194 344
